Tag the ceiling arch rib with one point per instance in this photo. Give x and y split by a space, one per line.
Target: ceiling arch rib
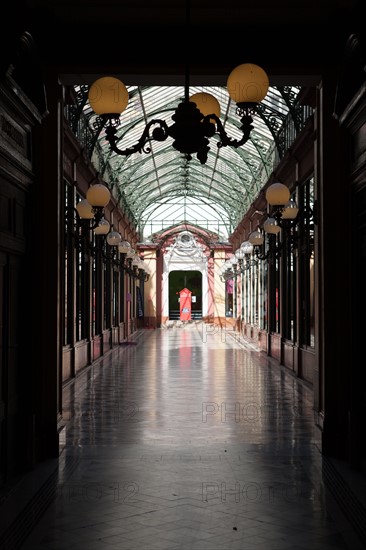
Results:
228 182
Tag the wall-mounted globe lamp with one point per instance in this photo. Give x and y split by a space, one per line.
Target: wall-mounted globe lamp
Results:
89 212
257 240
244 255
103 227
284 212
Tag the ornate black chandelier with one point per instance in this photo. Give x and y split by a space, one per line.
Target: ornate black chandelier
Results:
195 120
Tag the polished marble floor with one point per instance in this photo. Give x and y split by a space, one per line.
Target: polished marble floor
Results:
191 439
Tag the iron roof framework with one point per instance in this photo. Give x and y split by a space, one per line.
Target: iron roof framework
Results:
161 189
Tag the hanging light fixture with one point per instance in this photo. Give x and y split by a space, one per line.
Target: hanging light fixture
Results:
195 120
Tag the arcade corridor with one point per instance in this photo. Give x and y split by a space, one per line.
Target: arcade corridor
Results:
241 175
188 438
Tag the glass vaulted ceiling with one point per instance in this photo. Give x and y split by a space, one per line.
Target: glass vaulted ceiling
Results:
161 189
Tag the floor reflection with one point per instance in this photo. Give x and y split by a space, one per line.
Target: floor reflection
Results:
188 440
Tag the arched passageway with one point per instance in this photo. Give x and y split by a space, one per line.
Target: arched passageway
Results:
179 280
